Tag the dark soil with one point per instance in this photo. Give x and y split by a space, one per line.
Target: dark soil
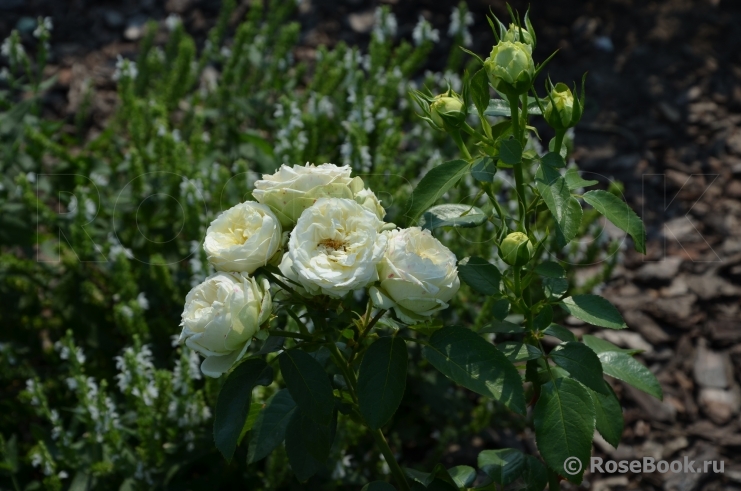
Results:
663 115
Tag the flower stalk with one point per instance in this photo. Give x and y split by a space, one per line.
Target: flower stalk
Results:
519 177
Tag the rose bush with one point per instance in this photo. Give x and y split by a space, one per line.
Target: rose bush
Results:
331 359
222 315
309 379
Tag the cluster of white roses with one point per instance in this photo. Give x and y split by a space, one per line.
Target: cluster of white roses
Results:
338 243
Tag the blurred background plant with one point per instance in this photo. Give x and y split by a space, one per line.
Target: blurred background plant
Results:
101 233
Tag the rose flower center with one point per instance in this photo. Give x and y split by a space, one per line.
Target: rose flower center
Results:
332 244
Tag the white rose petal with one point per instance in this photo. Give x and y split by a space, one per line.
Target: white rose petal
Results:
417 273
335 247
243 238
368 199
221 317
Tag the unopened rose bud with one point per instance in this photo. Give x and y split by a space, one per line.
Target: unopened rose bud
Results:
510 68
516 249
515 33
448 105
563 110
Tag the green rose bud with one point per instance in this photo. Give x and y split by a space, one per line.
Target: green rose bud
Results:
510 68
516 249
448 104
563 109
513 34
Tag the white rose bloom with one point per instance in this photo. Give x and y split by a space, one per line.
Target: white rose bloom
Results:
291 190
335 247
418 275
243 238
221 317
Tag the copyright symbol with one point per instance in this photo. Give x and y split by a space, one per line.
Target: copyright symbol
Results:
572 466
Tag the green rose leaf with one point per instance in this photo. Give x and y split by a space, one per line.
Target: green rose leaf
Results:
510 152
571 222
557 197
502 327
480 90
564 424
609 415
272 344
423 478
480 274
552 159
500 107
463 475
433 185
483 169
555 283
467 359
500 309
249 422
594 310
235 399
426 328
581 362
503 466
624 367
269 429
599 345
441 480
555 288
308 384
382 380
620 214
501 128
462 216
546 375
517 351
437 480
534 474
550 269
560 332
575 181
317 437
544 318
301 450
